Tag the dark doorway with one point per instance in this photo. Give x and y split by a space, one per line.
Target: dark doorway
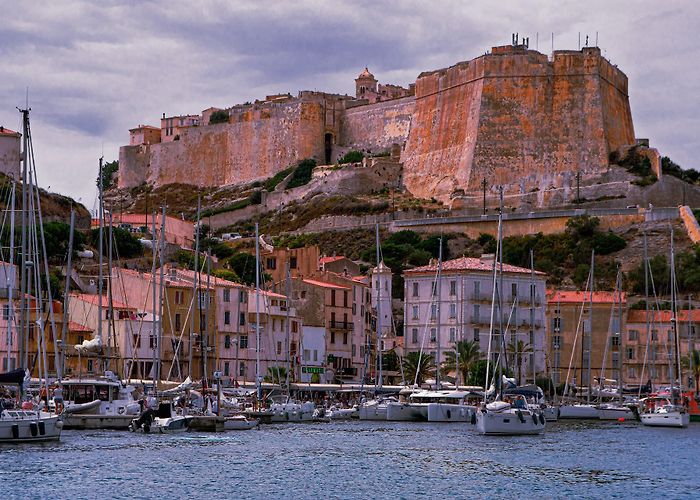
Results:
328 147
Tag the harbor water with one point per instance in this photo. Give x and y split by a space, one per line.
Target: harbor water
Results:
357 459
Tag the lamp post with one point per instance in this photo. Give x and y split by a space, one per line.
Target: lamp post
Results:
235 364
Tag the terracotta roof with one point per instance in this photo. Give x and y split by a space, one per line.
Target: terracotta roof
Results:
639 316
93 299
325 284
328 260
213 280
365 74
578 297
77 327
469 264
7 131
142 127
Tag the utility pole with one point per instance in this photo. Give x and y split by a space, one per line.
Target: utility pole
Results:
483 186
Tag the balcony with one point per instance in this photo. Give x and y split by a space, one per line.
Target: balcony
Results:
481 319
348 372
480 297
342 326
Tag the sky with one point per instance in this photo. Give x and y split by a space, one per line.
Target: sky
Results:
93 70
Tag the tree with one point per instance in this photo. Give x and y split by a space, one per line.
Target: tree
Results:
468 351
417 367
275 375
302 173
126 245
516 352
218 116
477 374
108 170
243 264
56 235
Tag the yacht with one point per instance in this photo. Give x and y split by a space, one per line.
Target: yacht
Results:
614 411
578 411
509 417
375 409
240 423
406 409
338 413
448 406
164 419
660 412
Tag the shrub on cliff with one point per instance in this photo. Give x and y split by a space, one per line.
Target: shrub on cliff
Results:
352 157
636 163
219 116
126 245
108 170
302 173
669 167
273 181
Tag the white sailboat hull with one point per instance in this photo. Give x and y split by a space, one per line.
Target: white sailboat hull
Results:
239 424
19 426
342 414
445 412
292 412
511 422
578 412
407 412
373 412
669 419
614 412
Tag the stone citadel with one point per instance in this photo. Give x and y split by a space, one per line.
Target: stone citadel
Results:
513 116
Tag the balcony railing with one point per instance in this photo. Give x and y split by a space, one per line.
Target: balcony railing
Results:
342 326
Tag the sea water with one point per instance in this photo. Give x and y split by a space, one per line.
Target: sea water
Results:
357 459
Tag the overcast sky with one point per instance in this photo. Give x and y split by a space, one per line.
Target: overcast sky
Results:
96 69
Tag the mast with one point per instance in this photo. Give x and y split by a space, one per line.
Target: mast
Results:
502 342
619 327
646 308
439 298
101 258
23 360
258 380
286 330
676 360
380 375
154 330
161 290
493 307
194 285
207 305
110 304
589 343
66 295
532 312
11 281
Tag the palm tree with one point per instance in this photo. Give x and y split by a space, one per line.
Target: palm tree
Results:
418 370
468 353
691 362
516 352
275 375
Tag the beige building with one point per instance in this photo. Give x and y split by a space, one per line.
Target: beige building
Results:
10 152
302 261
577 334
177 231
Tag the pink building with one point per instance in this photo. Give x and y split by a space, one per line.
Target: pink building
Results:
171 127
10 152
177 231
144 134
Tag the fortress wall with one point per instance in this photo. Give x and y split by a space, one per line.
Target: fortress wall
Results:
438 154
375 127
134 163
619 129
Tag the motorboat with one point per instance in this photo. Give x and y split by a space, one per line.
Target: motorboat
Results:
339 413
240 423
661 412
614 411
96 403
164 419
509 417
291 411
447 405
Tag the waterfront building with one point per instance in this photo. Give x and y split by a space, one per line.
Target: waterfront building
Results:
577 334
338 264
302 261
458 308
177 230
648 346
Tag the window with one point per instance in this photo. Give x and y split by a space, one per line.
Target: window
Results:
307 355
137 341
669 336
532 338
475 313
434 287
179 296
332 320
354 308
227 295
152 341
295 327
414 335
345 338
513 290
243 296
615 341
6 312
556 324
292 263
453 310
227 342
332 297
227 371
292 348
90 365
433 334
433 311
453 287
556 341
177 322
631 372
415 289
345 298
243 342
654 335
227 317
414 314
354 349
453 334
477 289
241 369
332 337
477 335
315 354
279 348
202 322
630 353
271 263
633 335
616 360
241 319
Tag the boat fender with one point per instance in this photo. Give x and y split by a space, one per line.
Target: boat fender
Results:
42 428
34 429
146 428
520 416
15 431
542 420
473 418
121 410
534 419
449 414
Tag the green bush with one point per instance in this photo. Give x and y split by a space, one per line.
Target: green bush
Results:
126 245
351 157
273 181
302 173
218 116
669 167
108 170
637 164
56 235
607 243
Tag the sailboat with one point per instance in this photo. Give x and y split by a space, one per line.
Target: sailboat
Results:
507 415
661 411
29 422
